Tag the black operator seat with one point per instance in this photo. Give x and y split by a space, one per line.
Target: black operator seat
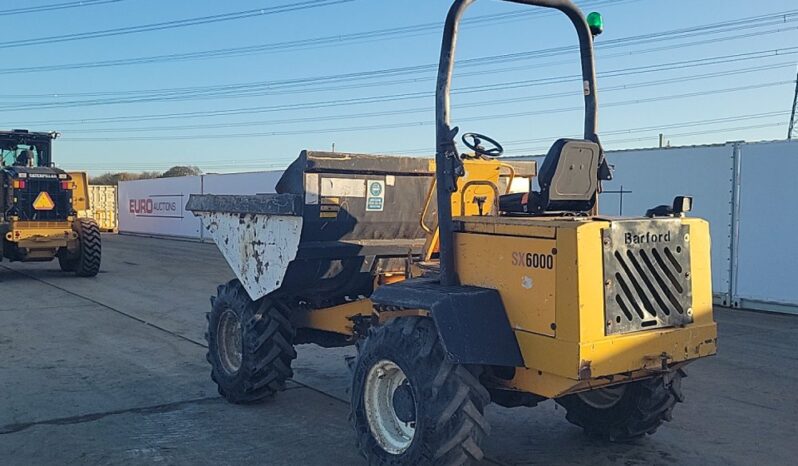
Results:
568 180
24 158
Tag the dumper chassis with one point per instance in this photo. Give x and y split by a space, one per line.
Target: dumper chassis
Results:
460 285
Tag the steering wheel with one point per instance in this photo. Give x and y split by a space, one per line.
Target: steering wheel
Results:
476 145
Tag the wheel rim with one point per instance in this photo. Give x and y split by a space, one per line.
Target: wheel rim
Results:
392 426
603 398
229 342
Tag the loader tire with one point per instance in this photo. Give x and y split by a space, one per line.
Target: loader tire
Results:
431 411
86 262
639 410
250 345
66 264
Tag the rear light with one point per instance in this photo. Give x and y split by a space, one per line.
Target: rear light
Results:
19 184
66 185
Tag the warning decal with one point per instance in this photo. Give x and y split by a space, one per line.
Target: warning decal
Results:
43 202
375 200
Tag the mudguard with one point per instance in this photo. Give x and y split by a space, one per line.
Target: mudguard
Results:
471 321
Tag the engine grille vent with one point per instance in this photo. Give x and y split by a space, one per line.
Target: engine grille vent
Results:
647 280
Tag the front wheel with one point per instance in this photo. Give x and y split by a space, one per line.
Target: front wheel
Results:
410 404
250 344
625 412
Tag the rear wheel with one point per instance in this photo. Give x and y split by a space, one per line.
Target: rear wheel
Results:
67 264
249 344
85 262
410 404
625 412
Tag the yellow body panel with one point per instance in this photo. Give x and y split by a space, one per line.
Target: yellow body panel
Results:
521 269
558 315
35 234
336 319
483 179
80 191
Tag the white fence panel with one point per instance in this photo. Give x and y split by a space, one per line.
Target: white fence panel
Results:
241 183
767 254
157 206
649 177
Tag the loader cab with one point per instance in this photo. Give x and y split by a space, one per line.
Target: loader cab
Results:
20 156
21 148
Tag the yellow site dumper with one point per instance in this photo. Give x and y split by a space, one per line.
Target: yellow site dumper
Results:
461 285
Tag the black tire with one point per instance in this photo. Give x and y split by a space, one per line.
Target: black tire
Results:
448 399
66 263
640 410
266 345
89 255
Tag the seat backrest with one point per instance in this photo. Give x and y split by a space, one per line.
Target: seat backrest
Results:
568 177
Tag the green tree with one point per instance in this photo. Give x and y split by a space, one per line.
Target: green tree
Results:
113 179
182 170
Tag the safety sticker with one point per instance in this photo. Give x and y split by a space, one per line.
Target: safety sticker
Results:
45 202
375 202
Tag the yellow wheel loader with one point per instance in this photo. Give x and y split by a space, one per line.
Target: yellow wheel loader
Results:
39 206
461 285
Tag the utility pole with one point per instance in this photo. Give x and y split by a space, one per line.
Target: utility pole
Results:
792 130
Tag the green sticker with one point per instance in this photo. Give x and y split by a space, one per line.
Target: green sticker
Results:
376 196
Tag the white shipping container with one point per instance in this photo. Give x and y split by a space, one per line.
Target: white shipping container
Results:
766 263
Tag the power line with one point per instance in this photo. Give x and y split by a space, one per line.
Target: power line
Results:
684 64
55 6
540 149
747 23
791 130
430 150
492 102
303 84
428 123
283 162
304 5
641 129
335 40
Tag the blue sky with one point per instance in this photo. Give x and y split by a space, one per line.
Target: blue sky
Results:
729 81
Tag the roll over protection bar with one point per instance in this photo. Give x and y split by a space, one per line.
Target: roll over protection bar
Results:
448 166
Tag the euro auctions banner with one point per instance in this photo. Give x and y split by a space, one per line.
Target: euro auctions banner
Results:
158 207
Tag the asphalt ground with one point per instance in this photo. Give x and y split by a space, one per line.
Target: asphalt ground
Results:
112 370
